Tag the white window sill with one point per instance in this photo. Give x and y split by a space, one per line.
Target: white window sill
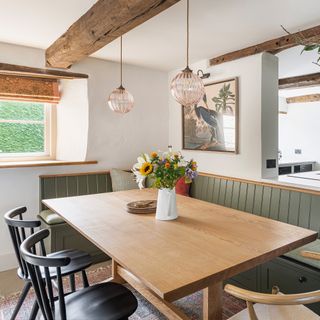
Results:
42 163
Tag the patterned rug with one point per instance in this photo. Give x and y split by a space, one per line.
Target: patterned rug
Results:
191 305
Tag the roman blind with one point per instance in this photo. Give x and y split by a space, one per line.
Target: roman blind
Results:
35 89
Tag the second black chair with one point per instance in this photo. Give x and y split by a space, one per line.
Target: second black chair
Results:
19 230
104 301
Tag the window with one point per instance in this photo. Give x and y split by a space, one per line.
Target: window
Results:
26 130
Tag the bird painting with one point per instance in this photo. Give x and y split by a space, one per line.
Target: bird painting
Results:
210 124
212 119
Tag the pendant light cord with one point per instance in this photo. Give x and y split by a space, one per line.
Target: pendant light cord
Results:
187 33
121 61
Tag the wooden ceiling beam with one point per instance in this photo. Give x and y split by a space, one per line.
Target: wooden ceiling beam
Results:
273 46
307 80
104 22
305 98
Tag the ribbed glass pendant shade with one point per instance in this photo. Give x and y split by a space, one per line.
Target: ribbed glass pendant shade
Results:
120 100
187 88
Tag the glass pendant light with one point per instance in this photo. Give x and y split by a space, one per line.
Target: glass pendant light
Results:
186 87
120 100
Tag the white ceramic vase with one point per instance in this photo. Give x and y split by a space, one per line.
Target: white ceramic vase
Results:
166 204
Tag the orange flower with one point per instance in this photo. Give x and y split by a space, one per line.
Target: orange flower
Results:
154 155
167 165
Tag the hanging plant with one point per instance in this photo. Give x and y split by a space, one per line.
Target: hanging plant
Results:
307 45
312 47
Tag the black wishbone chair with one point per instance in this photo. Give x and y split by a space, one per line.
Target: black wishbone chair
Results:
19 230
104 301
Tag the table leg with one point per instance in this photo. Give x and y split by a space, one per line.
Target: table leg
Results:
212 302
115 276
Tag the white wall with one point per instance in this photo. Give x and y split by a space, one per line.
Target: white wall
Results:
299 129
112 139
293 63
269 114
72 120
253 98
116 140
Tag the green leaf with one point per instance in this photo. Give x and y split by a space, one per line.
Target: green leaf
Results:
310 47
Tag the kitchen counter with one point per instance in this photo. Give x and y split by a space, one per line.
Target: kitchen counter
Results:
310 179
281 164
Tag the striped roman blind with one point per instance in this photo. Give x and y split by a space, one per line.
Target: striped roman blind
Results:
35 89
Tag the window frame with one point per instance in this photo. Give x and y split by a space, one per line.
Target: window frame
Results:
50 125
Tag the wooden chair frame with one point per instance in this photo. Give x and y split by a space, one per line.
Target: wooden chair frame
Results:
275 299
20 230
43 287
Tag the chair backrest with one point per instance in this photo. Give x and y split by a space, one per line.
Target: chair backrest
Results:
38 266
19 230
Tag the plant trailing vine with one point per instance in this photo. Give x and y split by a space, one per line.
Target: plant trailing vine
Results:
307 44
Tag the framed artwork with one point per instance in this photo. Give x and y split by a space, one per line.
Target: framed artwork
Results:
212 124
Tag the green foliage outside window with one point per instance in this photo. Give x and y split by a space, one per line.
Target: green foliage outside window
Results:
21 127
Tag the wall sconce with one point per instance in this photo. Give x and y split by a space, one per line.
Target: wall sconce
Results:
202 75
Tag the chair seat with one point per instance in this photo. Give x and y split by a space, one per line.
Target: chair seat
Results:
312 246
80 260
102 301
272 312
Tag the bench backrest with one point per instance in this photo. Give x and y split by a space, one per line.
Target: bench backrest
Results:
68 185
286 204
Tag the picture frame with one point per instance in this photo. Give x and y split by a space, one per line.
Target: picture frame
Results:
213 124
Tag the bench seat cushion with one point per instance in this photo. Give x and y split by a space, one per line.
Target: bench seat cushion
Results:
312 246
50 217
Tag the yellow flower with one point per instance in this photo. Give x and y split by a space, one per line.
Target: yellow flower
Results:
154 155
146 168
194 166
176 166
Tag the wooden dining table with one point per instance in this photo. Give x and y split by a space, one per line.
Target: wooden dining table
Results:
168 260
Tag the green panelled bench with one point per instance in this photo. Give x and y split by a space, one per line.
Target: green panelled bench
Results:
300 207
63 236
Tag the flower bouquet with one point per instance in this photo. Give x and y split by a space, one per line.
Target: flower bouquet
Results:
163 171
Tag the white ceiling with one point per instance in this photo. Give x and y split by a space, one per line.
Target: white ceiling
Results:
217 27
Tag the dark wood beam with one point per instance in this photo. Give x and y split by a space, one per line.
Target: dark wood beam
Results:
273 46
105 21
12 69
304 98
307 80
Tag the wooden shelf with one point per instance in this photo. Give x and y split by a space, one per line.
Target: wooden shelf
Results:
11 69
43 163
